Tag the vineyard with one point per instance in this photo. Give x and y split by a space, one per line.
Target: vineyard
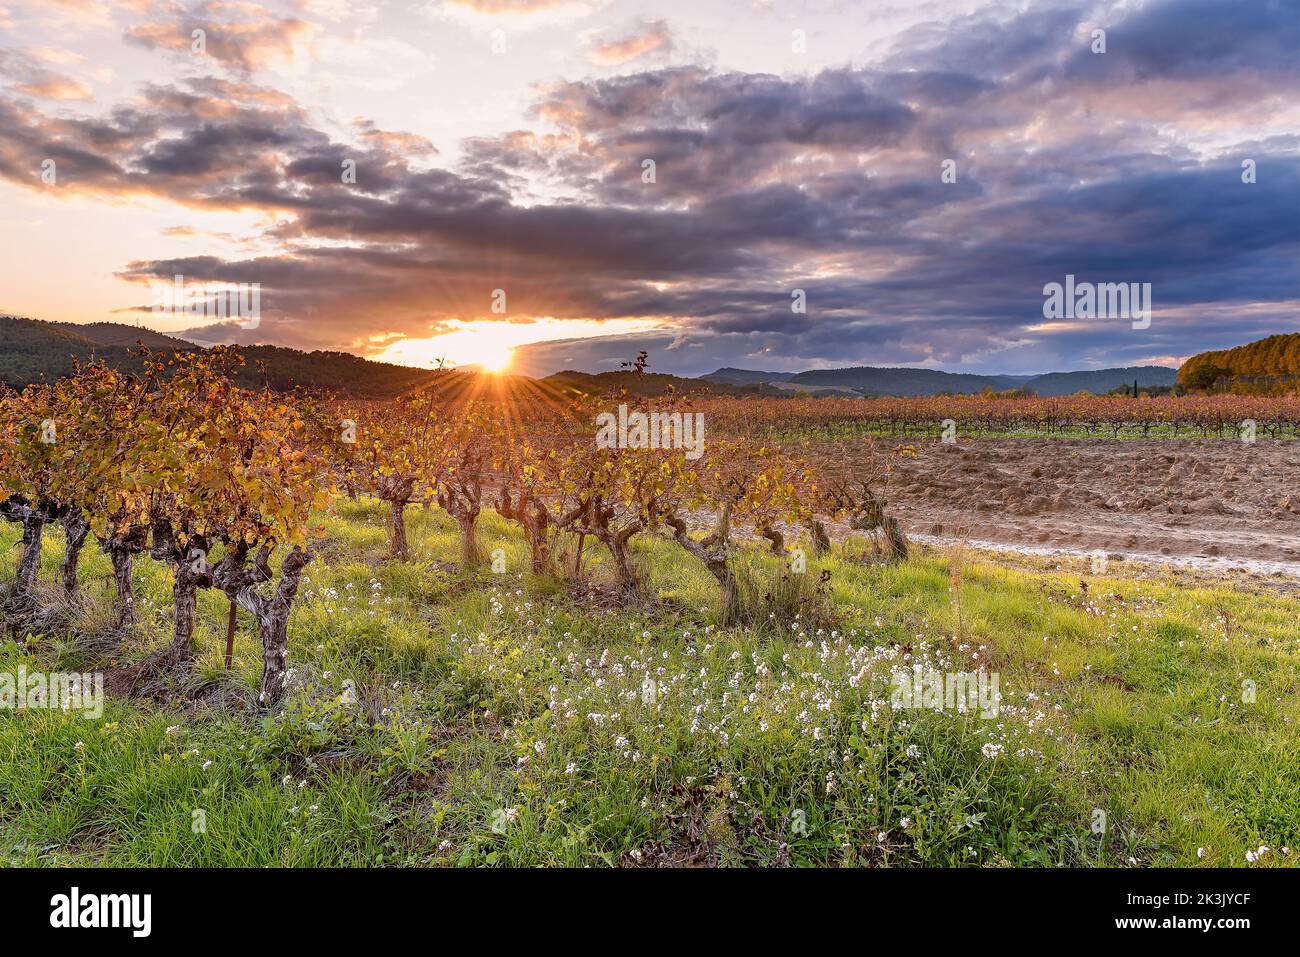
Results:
1218 416
482 636
181 465
215 481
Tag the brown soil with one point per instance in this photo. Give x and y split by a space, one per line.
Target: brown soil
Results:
1219 500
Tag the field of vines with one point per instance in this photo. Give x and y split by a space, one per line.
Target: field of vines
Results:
1198 416
454 629
224 485
221 484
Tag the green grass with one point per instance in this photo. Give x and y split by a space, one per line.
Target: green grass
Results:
500 719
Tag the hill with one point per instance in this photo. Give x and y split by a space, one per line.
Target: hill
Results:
1100 381
884 381
118 334
31 350
870 380
647 384
1275 358
339 372
729 376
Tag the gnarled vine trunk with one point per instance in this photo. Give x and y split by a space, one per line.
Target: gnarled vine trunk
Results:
121 548
398 547
870 516
397 491
469 550
123 588
821 542
616 543
531 514
714 551
29 561
462 502
75 530
190 571
895 539
775 540
600 524
239 581
185 602
22 601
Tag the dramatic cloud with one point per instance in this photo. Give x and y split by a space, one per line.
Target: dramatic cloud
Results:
701 199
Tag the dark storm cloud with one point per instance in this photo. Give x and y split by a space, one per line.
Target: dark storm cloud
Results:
1190 39
1068 162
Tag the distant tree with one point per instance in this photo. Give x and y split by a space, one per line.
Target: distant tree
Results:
1204 376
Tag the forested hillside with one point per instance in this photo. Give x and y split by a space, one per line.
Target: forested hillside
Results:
31 350
1275 358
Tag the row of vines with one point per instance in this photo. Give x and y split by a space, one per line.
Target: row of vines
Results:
226 486
1206 416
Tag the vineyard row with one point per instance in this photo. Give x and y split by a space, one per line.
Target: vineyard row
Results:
221 484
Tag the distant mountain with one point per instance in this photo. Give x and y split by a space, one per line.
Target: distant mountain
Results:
31 350
880 381
1013 381
337 372
1101 381
870 380
731 376
650 383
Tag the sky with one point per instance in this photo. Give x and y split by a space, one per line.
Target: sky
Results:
560 184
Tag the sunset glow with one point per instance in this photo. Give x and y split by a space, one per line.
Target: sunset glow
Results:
640 176
491 345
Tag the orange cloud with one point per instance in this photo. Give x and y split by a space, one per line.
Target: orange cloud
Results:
244 36
654 37
57 88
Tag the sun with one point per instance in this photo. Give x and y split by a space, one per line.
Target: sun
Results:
462 347
490 344
493 358
481 346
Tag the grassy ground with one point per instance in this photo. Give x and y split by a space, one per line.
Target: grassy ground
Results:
439 719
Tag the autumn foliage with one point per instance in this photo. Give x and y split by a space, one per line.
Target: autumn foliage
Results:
223 484
179 462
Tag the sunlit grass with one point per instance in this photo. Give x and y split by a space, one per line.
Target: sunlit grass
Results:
501 719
